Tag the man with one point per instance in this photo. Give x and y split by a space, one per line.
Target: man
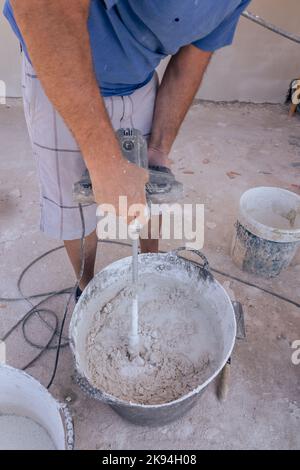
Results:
89 69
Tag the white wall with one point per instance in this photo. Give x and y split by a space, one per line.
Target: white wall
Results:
260 64
9 57
258 67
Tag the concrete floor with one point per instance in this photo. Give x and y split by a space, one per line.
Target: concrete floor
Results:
262 145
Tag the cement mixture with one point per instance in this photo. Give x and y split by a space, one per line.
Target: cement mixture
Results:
21 433
180 348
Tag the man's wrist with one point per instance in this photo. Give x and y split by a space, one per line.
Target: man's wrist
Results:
162 140
157 156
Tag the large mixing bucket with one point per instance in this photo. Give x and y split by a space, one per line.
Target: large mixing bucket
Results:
22 395
171 266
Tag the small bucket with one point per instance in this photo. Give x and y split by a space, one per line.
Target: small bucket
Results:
23 396
267 231
170 266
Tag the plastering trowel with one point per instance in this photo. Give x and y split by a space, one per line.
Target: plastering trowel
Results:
224 379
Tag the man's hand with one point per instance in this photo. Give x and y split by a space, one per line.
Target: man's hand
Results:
57 38
126 179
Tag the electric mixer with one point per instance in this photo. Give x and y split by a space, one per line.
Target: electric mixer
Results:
161 188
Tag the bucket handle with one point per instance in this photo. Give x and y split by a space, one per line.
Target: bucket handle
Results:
205 266
68 424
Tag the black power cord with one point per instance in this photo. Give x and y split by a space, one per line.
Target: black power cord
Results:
36 310
82 263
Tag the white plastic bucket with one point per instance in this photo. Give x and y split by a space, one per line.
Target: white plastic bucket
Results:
267 231
22 395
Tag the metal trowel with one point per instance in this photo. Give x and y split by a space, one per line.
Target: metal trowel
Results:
224 377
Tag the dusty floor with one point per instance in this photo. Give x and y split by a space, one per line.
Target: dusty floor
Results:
262 146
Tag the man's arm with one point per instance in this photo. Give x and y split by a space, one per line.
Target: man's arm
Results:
57 38
179 86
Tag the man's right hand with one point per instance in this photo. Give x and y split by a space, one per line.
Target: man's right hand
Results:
118 177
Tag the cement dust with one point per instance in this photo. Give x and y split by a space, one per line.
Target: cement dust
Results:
178 343
21 433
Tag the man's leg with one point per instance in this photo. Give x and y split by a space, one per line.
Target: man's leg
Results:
73 248
151 244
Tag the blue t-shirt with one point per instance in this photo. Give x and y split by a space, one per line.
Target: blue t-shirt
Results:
130 37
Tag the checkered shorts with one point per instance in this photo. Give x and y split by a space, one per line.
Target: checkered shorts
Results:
59 161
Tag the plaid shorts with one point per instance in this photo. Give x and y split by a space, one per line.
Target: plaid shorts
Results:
59 160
